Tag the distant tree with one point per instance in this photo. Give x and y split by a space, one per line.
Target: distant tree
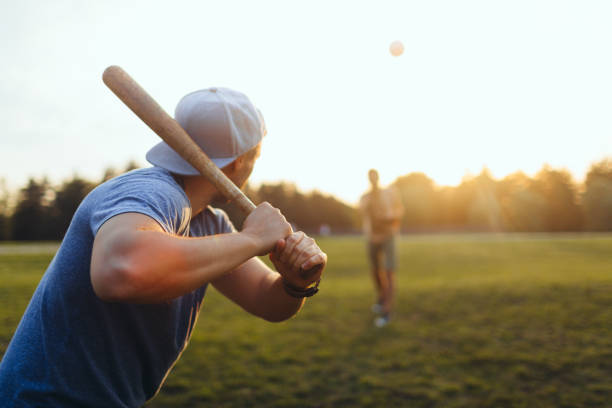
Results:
330 211
443 219
420 200
561 196
473 205
31 219
283 196
458 204
484 211
132 165
5 232
109 173
291 202
67 199
523 209
597 196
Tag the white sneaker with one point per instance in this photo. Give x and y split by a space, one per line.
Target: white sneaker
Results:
381 321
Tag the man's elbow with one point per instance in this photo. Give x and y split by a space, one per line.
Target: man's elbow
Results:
116 281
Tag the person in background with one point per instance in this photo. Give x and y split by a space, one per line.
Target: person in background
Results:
381 210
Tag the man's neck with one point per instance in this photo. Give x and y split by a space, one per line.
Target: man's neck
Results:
199 192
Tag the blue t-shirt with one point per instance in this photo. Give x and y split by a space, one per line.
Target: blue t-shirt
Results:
73 349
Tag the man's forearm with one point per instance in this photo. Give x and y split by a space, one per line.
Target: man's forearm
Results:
149 266
280 305
259 290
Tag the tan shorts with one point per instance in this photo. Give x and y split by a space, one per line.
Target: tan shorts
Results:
382 251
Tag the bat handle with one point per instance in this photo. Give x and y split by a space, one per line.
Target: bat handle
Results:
243 202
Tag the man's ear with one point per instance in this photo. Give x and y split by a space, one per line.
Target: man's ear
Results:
232 167
238 163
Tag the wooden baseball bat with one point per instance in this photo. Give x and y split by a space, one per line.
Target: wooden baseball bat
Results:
149 111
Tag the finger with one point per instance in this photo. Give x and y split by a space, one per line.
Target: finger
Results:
291 242
307 245
315 263
311 275
302 251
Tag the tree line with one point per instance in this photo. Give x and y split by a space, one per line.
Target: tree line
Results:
550 201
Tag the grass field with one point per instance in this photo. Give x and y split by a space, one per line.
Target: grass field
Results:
481 321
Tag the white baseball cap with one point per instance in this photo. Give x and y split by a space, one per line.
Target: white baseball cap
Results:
223 122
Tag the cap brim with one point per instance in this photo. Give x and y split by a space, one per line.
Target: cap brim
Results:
164 156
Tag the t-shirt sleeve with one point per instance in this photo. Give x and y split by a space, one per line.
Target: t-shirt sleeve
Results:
222 222
154 198
211 221
226 224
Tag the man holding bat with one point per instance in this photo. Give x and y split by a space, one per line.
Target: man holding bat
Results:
118 303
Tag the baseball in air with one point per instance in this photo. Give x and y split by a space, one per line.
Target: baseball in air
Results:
396 48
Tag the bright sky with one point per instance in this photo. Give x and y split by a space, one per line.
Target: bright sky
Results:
507 85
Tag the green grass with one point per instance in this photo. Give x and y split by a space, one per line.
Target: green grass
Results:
481 320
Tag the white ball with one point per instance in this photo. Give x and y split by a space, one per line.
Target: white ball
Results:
396 48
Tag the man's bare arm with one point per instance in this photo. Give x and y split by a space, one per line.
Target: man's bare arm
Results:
259 290
134 260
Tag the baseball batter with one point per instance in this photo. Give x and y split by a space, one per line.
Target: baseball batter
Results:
118 303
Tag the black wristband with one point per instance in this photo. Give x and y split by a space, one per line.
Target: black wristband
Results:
298 292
